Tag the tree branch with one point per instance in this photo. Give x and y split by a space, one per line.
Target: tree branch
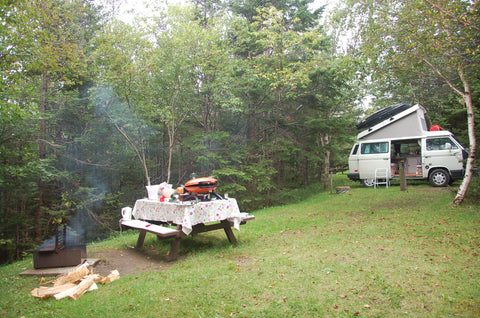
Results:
463 22
449 83
132 144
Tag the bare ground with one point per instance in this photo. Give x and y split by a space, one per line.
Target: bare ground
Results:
128 261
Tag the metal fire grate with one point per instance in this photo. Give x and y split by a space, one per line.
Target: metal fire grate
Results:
59 251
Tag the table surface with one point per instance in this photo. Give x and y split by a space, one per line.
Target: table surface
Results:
187 214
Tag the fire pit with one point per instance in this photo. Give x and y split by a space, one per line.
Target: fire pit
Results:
64 249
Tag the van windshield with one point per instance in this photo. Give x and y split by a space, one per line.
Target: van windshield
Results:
374 147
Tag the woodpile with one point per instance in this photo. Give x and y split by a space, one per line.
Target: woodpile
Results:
74 284
341 190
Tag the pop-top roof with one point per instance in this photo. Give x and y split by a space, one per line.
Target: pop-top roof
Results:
404 124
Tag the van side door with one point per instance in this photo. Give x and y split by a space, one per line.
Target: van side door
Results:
373 155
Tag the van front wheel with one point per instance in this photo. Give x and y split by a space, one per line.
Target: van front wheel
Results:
439 178
368 182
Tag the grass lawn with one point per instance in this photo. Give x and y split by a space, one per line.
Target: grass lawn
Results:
367 253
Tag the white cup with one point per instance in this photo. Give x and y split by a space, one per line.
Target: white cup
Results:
127 213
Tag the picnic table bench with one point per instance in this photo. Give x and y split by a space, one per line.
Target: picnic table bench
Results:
195 224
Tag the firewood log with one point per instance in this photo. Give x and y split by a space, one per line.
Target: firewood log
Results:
114 275
75 275
64 293
82 287
45 292
97 278
78 290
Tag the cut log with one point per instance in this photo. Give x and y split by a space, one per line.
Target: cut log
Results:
78 290
74 276
92 287
97 278
114 275
64 293
81 288
45 292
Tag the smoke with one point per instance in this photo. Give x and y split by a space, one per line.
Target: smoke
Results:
68 235
76 233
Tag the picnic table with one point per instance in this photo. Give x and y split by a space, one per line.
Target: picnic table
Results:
188 218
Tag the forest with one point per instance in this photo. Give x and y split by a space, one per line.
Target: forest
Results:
262 95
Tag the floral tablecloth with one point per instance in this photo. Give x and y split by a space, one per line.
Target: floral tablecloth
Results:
187 214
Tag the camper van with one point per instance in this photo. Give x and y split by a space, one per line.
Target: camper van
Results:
396 140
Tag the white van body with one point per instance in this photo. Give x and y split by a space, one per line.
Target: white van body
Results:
402 140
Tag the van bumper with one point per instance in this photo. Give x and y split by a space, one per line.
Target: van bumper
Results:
354 176
457 174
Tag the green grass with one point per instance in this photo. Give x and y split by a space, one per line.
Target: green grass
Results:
368 253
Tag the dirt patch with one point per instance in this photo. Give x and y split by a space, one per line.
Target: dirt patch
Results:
129 261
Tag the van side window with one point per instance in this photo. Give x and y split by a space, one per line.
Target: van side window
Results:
439 143
374 147
355 149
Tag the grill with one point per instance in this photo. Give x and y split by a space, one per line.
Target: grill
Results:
200 189
63 249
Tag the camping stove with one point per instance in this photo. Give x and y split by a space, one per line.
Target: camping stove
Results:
199 189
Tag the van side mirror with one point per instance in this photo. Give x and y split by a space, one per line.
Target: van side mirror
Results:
448 146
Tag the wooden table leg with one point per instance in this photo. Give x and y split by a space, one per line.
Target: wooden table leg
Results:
228 230
173 254
141 238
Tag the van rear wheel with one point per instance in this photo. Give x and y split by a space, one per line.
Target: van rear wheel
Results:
368 182
439 178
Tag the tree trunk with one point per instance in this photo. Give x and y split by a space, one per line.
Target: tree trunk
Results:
325 140
305 171
171 129
319 175
170 158
467 96
251 124
326 172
